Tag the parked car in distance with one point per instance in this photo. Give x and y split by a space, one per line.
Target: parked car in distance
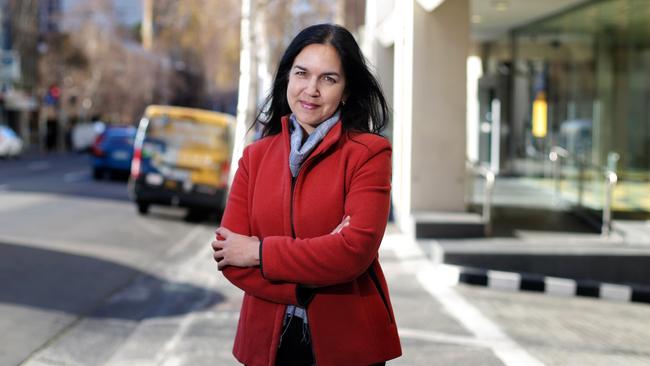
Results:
112 152
181 158
84 134
11 146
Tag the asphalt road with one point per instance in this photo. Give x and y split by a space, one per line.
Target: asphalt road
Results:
85 280
68 244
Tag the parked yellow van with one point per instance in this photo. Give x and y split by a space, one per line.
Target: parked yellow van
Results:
181 158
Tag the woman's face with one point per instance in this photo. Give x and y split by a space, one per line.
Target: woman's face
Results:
316 85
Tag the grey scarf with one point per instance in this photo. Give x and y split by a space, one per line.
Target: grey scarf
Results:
299 153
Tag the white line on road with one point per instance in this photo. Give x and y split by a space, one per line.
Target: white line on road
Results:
184 243
75 176
437 337
166 356
38 165
428 274
144 223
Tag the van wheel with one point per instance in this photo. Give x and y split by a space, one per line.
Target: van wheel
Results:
143 208
98 173
196 215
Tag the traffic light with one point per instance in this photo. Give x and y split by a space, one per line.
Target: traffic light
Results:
53 95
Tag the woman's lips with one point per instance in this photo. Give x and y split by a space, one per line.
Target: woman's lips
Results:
309 106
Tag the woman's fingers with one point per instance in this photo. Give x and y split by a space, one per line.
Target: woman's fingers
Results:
218 248
223 233
221 265
216 245
344 223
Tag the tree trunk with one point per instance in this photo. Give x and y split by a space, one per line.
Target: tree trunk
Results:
246 102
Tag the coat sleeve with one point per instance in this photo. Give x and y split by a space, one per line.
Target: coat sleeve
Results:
236 219
338 258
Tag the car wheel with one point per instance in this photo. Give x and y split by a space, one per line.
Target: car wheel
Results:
98 173
143 208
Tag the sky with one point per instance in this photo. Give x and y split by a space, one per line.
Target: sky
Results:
129 12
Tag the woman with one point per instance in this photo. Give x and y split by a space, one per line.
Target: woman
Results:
307 211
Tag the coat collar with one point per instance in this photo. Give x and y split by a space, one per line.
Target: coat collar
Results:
332 137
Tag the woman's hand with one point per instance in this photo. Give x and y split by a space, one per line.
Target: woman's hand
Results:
344 223
232 249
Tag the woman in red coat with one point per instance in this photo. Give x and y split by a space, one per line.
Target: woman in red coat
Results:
307 211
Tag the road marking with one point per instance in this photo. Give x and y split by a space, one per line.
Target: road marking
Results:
615 292
560 286
508 281
144 223
184 243
75 176
437 337
38 165
167 356
486 331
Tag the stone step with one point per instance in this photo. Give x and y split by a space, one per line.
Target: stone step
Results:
439 225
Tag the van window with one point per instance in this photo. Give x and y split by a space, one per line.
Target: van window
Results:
187 133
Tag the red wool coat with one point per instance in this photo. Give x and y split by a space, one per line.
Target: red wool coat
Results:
350 316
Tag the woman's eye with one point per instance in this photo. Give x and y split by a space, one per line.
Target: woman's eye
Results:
299 73
330 79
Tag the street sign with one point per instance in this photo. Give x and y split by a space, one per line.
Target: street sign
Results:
9 65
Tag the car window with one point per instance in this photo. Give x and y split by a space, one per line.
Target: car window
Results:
186 133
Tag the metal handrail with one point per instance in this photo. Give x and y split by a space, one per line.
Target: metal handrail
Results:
558 153
489 176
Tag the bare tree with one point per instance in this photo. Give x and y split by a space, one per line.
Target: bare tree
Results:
202 39
24 26
263 40
102 71
247 100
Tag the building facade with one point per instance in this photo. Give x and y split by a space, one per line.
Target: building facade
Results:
553 92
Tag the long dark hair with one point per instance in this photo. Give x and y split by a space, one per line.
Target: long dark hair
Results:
365 109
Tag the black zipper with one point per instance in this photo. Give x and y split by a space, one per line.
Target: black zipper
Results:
293 235
293 185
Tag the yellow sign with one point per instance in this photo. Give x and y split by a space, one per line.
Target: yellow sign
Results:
540 115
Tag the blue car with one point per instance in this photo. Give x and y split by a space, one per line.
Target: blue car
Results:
112 152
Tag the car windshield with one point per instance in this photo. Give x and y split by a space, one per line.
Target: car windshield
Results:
186 133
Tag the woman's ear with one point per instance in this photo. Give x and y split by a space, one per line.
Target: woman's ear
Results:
344 99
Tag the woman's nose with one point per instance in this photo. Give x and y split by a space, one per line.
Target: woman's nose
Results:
312 87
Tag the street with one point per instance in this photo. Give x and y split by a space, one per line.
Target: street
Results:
85 280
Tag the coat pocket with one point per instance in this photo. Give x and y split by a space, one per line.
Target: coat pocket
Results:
384 298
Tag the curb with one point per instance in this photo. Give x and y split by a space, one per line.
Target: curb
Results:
514 281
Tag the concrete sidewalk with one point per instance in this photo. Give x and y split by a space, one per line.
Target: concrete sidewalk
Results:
438 323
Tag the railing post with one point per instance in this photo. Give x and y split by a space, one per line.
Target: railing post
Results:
581 180
489 176
555 160
611 179
610 182
555 156
487 203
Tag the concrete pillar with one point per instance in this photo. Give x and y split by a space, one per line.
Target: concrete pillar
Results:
431 49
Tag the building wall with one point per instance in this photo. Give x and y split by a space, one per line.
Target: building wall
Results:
441 46
426 54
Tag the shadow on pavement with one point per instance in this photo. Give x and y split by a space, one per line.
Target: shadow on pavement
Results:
87 286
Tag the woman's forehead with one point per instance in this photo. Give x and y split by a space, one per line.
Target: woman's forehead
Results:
320 56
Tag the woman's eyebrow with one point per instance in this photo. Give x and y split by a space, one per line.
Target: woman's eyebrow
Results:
327 73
